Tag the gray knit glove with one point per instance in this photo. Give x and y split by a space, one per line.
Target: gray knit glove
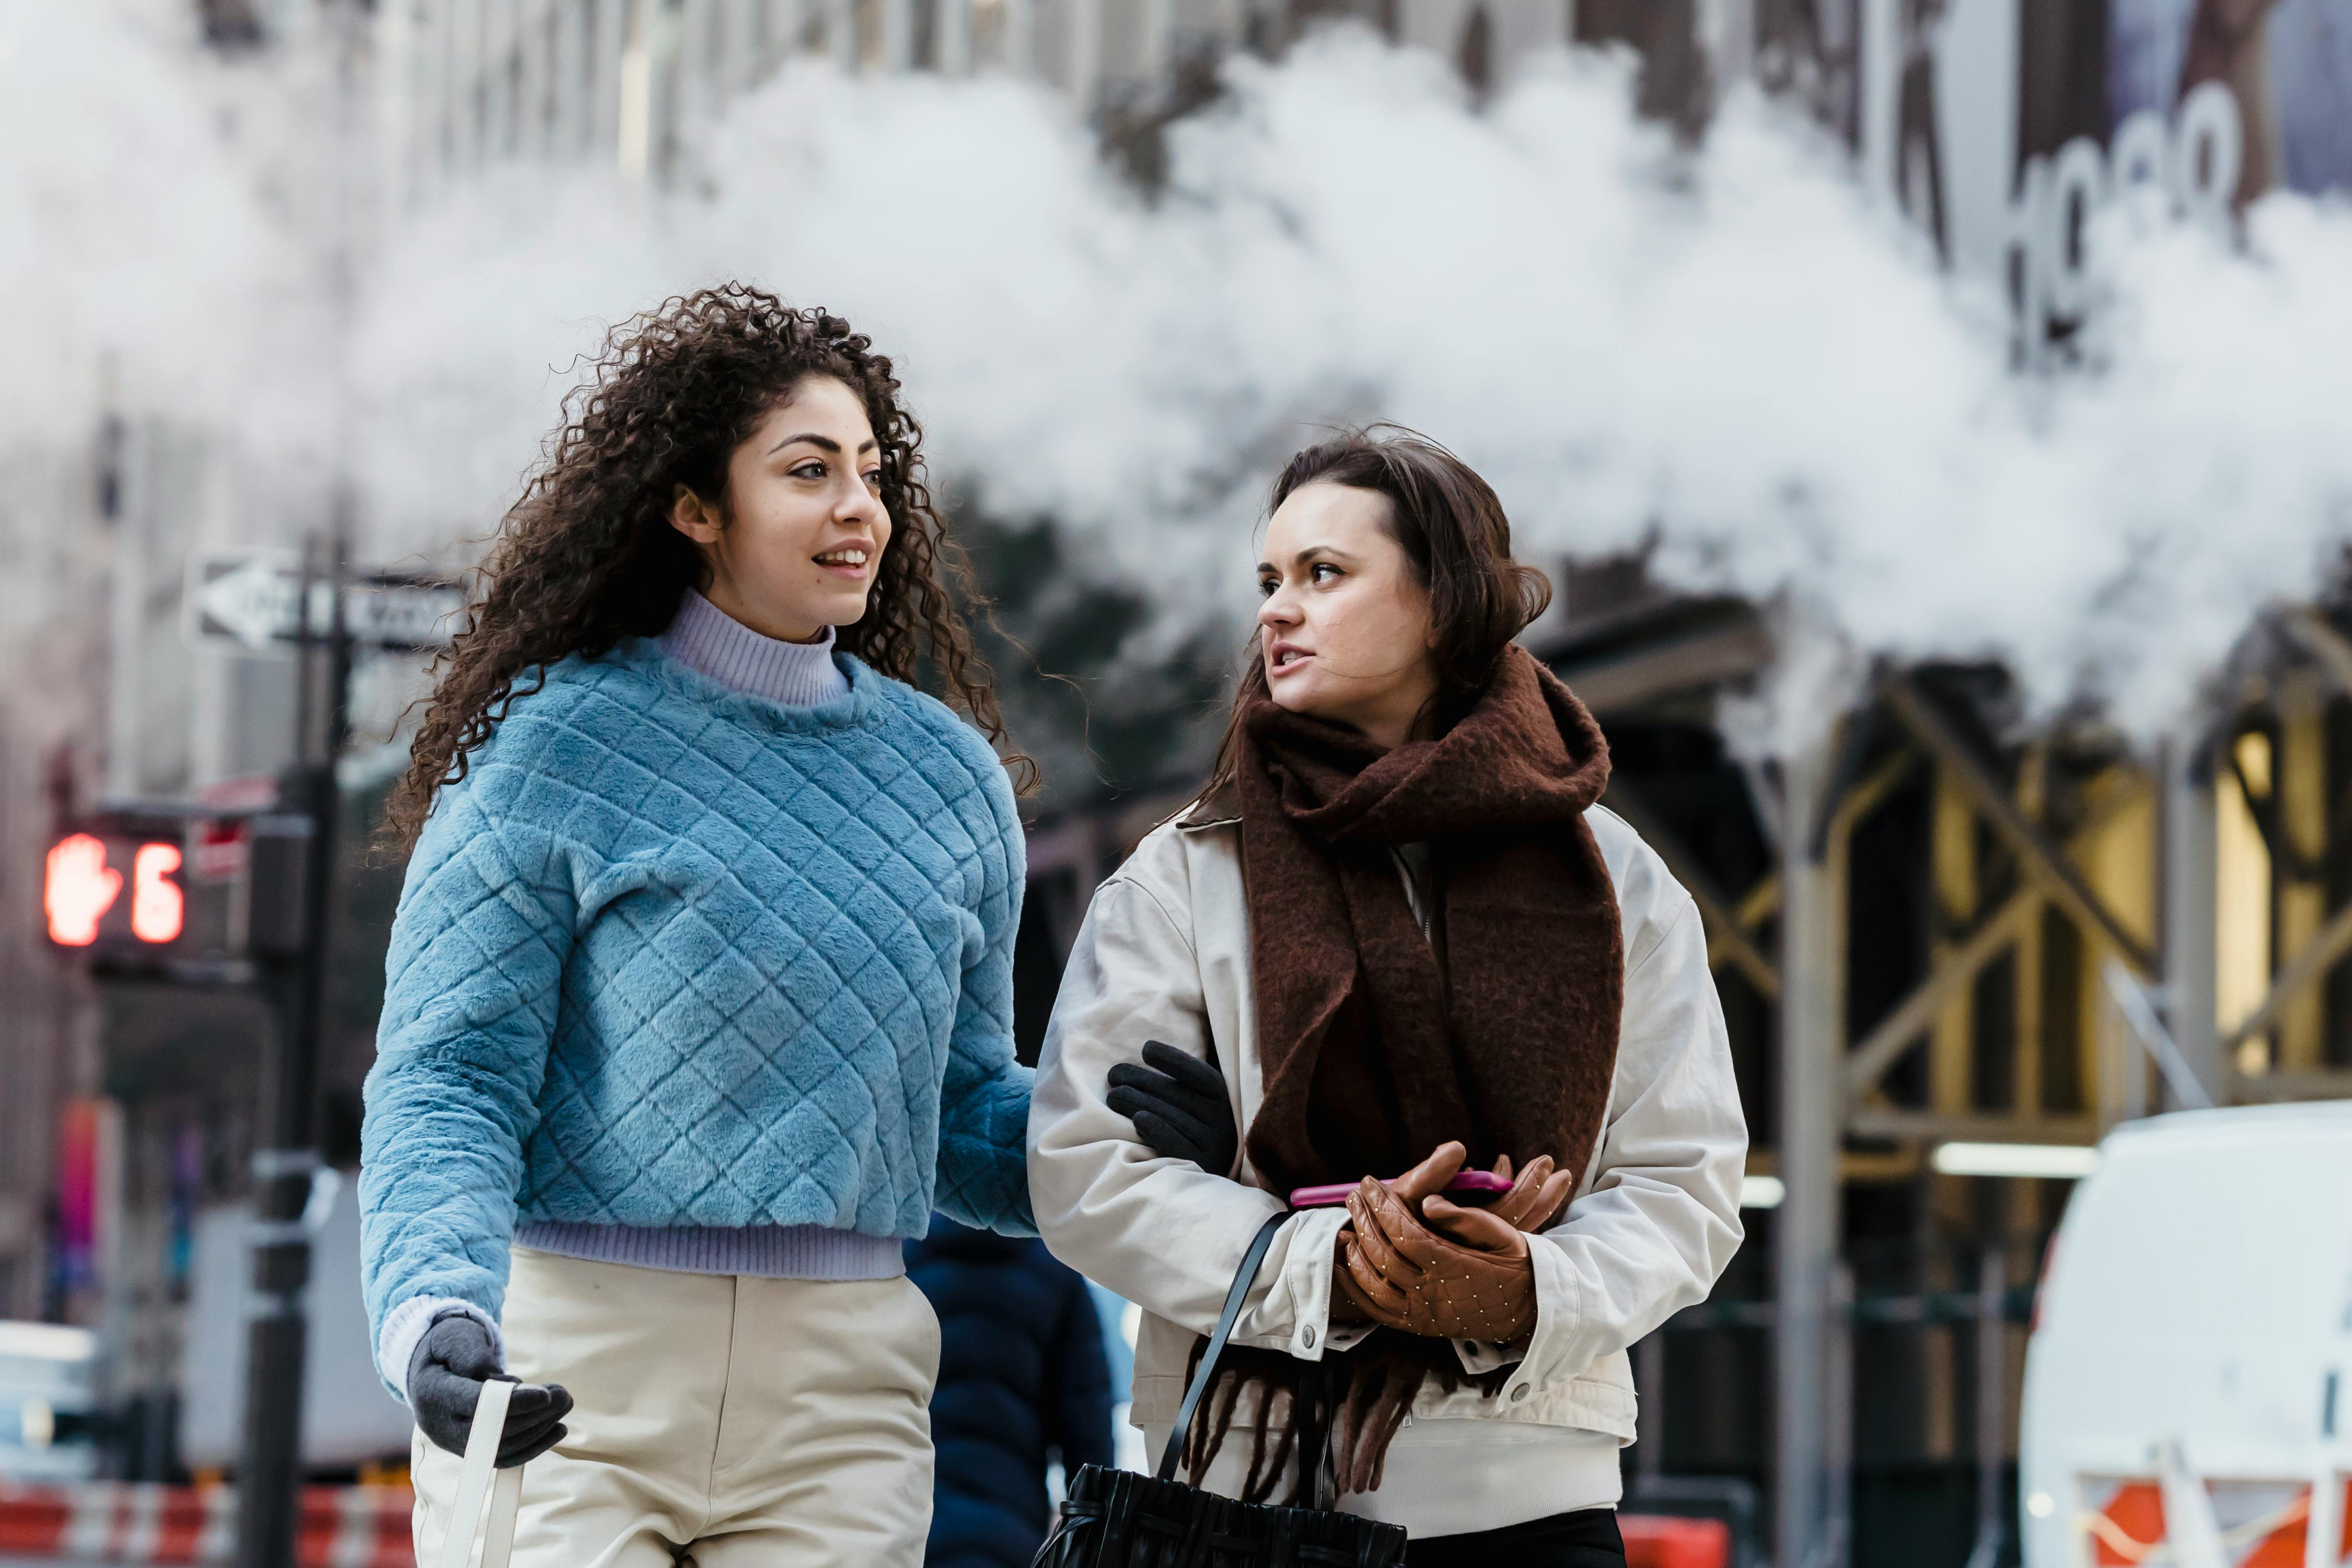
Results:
445 1376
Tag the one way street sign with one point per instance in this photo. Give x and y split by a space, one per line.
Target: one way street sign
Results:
252 598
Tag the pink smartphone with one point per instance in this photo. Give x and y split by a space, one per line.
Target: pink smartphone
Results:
1470 1187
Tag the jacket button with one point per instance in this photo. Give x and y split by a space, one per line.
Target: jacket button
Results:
1306 1338
1519 1393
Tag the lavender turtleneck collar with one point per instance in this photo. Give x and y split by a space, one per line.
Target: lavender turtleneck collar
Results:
708 641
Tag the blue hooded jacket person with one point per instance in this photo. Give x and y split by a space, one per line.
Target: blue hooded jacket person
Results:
1022 1377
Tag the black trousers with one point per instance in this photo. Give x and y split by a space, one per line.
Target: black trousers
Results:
1587 1539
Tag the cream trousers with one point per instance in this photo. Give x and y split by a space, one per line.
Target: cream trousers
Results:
722 1421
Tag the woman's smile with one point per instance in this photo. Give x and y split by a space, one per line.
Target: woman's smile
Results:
853 562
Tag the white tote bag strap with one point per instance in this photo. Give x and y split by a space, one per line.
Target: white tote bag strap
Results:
482 1479
506 1498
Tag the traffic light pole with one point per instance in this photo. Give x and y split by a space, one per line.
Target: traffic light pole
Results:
286 1169
292 1193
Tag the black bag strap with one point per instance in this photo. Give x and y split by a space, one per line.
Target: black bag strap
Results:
1208 1367
1318 1436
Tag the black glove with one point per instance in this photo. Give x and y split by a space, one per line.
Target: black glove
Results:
1179 1107
445 1376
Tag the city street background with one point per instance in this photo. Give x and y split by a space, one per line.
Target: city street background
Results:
1936 416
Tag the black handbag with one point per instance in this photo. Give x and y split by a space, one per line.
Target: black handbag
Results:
1118 1518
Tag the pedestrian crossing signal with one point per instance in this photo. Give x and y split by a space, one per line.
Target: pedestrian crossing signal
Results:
79 889
96 891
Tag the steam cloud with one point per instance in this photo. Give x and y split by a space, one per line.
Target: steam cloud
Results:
1728 349
145 262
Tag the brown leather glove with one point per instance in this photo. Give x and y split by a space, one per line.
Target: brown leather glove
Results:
1471 1278
1348 1304
1534 1202
1413 1279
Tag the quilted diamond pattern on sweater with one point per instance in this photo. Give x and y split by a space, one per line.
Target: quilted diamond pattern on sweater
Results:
672 955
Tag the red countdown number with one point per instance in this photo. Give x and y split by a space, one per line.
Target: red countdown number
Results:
157 909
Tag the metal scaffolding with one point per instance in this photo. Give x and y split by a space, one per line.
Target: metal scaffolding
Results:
2087 902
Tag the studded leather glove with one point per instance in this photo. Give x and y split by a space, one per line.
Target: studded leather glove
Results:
1471 1278
445 1374
1413 1279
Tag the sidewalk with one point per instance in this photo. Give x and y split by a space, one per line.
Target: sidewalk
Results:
119 1523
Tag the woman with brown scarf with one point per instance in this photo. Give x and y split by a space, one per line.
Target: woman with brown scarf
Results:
1395 934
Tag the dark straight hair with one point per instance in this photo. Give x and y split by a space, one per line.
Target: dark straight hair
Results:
1452 531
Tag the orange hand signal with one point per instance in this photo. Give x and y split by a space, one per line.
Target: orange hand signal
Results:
80 887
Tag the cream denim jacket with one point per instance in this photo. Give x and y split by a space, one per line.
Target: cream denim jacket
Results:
1165 955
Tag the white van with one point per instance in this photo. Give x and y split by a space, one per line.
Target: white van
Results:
2188 1381
347 1417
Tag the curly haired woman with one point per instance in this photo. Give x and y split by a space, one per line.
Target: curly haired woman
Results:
701 990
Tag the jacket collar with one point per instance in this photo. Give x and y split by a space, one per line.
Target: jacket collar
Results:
1221 810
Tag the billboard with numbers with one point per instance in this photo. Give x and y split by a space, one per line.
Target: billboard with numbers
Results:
2288 63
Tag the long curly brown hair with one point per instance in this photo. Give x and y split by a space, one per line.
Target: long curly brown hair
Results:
588 557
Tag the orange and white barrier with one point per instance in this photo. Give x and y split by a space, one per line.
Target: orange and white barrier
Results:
1655 1540
367 1527
129 1523
2255 1524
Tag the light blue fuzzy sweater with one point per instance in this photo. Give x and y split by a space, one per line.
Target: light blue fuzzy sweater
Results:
675 956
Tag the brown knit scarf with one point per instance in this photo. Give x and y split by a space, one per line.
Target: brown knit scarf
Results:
1374 1054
